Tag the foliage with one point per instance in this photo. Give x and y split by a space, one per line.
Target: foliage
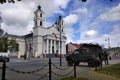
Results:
3 45
113 70
72 78
13 44
3 41
1 32
9 1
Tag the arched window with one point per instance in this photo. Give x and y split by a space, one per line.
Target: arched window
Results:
40 23
40 14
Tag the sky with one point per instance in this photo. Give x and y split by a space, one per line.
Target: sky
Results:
93 21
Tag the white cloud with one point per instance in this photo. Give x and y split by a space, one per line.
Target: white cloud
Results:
71 19
81 10
69 32
90 33
114 37
17 17
112 14
62 3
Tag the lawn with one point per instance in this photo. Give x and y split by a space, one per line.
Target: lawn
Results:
72 78
113 70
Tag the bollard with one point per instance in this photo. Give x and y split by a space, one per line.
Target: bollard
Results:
50 69
3 70
74 70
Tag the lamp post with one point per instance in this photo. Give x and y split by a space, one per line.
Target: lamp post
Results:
118 44
108 39
60 24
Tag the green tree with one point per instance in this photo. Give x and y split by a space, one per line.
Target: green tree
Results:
9 1
1 33
3 41
13 44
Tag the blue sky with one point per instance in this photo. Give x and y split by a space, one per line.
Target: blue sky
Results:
89 22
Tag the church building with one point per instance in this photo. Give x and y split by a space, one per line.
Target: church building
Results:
42 40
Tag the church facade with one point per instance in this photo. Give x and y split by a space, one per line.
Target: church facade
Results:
42 40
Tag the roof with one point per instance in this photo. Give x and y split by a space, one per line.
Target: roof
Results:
85 45
90 45
75 44
28 35
17 36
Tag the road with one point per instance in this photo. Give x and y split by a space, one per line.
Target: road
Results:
40 66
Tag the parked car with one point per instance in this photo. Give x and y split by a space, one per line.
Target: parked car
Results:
4 58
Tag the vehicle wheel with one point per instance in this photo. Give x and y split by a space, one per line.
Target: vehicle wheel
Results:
97 63
70 63
91 63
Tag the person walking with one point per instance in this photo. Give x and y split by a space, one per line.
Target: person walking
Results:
106 57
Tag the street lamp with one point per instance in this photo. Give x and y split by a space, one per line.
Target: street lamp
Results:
118 44
108 39
60 25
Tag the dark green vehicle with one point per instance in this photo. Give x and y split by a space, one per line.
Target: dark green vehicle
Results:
89 53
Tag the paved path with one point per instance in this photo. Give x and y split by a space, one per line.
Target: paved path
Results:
33 64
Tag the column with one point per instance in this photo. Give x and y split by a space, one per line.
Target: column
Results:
47 46
44 46
59 47
62 47
55 46
51 46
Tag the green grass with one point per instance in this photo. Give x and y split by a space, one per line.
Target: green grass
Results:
113 70
72 78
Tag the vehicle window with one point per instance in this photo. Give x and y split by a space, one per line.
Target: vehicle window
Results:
76 52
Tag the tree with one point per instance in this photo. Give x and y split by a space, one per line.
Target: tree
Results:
3 41
1 32
13 45
9 1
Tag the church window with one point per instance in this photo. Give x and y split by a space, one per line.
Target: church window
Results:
40 23
40 14
35 22
58 29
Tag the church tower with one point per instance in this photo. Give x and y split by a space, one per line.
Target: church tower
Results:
38 31
59 24
38 21
39 17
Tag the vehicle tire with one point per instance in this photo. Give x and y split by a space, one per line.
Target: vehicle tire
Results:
97 63
91 63
70 63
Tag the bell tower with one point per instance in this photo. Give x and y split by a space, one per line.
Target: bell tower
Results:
59 24
39 17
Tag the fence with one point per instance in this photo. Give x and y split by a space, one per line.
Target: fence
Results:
51 67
